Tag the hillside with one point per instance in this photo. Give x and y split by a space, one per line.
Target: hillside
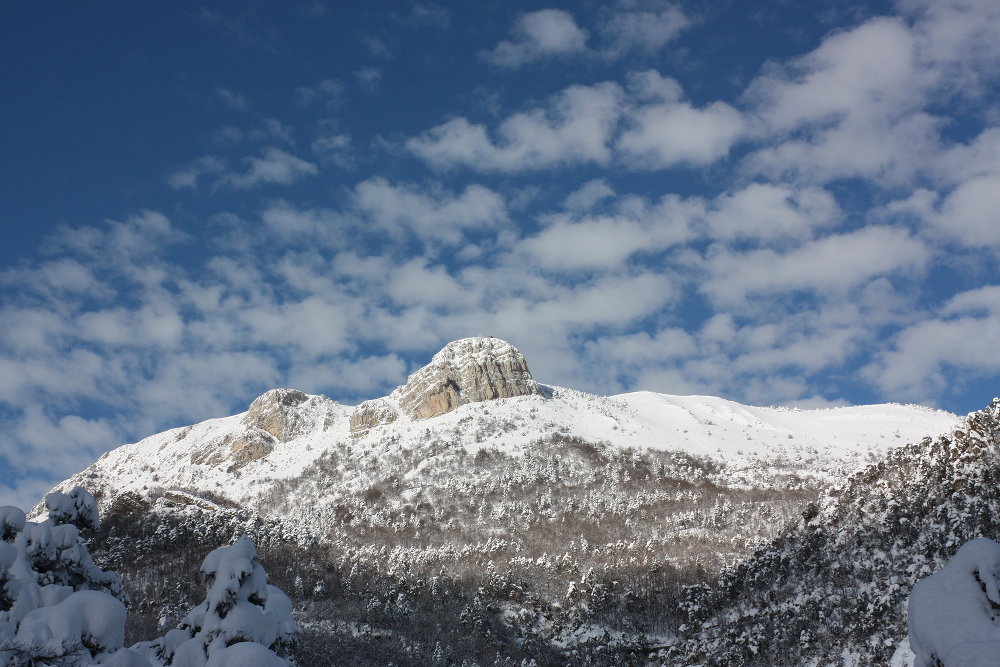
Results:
836 584
558 521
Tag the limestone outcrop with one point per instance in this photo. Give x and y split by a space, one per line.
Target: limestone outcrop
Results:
274 412
469 370
276 416
372 413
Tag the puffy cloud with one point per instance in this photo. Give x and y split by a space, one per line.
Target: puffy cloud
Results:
332 146
546 33
669 131
607 242
960 39
574 128
588 195
275 166
830 265
943 352
625 27
645 27
188 176
654 128
963 208
854 107
768 212
439 216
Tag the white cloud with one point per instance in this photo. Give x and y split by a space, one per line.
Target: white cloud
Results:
333 146
189 175
651 128
329 93
960 39
291 225
588 195
969 212
670 131
964 208
943 350
430 14
645 27
830 265
771 213
574 128
25 492
369 78
437 215
234 100
417 283
624 28
854 107
275 166
546 33
607 242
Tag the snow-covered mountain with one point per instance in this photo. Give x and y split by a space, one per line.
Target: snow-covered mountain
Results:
477 395
478 514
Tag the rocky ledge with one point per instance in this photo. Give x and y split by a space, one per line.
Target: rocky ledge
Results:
469 370
275 417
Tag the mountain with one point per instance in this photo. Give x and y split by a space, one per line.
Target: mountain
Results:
513 519
832 589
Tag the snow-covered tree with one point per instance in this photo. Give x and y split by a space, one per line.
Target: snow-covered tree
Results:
57 608
240 608
55 603
954 614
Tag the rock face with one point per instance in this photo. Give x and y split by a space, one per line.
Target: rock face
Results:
274 412
465 371
274 417
372 413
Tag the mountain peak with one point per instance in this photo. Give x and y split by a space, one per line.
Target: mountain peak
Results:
469 370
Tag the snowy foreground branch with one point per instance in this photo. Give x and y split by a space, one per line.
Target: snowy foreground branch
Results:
58 608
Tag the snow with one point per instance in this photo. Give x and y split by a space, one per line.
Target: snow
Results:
245 654
44 619
757 445
234 575
94 616
903 657
954 614
11 522
240 607
123 658
77 507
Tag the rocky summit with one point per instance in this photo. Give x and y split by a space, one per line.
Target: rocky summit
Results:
469 370
277 416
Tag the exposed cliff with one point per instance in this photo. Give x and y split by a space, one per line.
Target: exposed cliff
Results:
469 370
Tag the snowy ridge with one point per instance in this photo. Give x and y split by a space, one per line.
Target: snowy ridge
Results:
754 445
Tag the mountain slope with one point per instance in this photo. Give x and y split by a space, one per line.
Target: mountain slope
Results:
477 510
285 432
836 584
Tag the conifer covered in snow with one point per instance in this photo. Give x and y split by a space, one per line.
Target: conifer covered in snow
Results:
55 603
58 608
240 608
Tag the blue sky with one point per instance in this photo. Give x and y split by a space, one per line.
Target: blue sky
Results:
775 202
